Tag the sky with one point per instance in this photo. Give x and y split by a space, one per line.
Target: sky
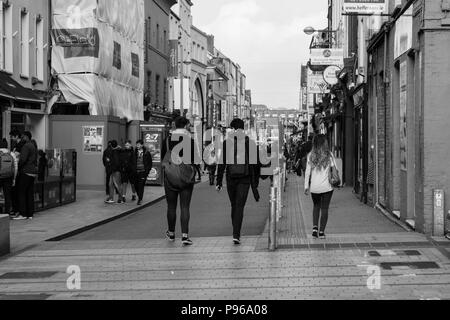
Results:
266 39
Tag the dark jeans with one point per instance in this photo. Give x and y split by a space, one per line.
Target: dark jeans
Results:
25 189
139 184
321 204
185 204
238 194
6 184
212 174
15 197
198 171
108 178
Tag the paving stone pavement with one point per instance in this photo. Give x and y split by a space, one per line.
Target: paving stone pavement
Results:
384 262
214 269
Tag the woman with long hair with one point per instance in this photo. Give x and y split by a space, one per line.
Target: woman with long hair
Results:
320 162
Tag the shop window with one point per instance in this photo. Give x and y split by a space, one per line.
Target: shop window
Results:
6 43
25 43
117 58
135 65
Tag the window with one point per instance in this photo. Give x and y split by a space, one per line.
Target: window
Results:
25 43
149 84
6 43
39 66
165 93
157 36
165 41
147 39
157 89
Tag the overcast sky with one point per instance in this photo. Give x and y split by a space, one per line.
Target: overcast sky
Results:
265 38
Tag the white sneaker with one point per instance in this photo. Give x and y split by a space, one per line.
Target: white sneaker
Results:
20 218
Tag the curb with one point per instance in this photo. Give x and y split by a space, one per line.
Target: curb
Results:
393 219
103 222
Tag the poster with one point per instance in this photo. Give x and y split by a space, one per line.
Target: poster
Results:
403 116
93 139
152 141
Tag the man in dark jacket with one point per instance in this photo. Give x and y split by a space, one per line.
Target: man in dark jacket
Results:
115 181
143 164
128 170
28 172
107 155
240 178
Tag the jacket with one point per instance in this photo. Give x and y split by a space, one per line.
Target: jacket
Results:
116 161
127 157
148 161
107 157
28 159
254 171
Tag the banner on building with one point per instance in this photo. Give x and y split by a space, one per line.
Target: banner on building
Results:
364 6
182 94
327 57
98 54
173 58
403 33
223 109
403 116
93 139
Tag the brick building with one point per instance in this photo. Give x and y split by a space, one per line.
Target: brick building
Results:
408 100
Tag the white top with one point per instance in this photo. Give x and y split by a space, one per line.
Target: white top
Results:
320 182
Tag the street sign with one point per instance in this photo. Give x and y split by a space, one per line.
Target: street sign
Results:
438 213
330 75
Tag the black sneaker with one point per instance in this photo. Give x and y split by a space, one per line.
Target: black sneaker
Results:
187 241
170 237
133 198
322 235
315 233
119 201
139 203
237 241
124 200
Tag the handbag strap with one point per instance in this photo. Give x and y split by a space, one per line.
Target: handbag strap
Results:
333 161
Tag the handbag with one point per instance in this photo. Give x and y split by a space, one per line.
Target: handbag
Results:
334 177
179 175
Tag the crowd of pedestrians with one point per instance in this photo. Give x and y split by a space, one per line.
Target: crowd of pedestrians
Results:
18 172
126 166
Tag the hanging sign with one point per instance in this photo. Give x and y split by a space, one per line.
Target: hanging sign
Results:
364 6
327 57
330 75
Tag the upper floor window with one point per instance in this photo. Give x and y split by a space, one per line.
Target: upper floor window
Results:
6 34
25 43
39 40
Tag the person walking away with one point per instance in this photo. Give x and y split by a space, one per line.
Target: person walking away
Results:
115 181
28 171
317 181
211 164
128 171
8 174
107 158
239 177
179 181
143 164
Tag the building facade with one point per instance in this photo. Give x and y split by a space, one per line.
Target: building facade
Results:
24 70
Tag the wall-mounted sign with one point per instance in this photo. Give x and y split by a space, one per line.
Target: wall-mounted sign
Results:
327 57
364 6
93 139
316 84
330 75
403 33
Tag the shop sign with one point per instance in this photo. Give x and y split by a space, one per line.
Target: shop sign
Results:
364 6
93 139
403 33
317 84
330 75
327 57
173 58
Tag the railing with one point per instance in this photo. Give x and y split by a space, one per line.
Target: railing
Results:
276 204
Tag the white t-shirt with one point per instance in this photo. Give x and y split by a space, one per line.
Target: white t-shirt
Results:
320 182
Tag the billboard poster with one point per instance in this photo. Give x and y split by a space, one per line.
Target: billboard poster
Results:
93 139
403 116
364 6
327 57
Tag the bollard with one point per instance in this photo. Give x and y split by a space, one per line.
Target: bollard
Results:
273 220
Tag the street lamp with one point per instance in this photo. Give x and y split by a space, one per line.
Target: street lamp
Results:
310 31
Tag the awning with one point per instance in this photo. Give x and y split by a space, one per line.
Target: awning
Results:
11 89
